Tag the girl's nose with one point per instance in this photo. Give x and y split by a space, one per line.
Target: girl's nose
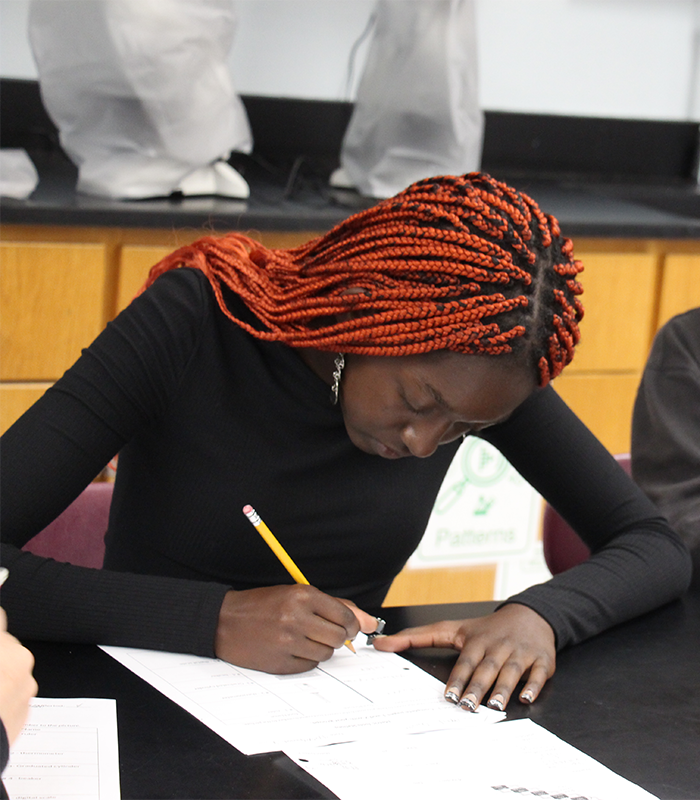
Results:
422 438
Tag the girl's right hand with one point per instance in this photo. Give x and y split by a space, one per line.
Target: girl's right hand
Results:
285 629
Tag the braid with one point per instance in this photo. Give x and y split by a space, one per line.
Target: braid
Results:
451 263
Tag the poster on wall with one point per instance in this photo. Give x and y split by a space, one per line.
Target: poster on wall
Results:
485 513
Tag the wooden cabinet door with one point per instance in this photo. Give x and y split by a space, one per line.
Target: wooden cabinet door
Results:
137 259
604 403
618 299
415 587
680 290
135 263
52 302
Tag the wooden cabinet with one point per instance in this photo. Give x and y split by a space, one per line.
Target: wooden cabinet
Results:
620 281
134 264
618 298
59 286
680 288
631 288
52 298
604 403
137 259
418 587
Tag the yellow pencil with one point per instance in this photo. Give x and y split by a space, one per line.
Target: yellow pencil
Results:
279 551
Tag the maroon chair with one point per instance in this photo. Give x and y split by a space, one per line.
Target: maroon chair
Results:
563 548
77 535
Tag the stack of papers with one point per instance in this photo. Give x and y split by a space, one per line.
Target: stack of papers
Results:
348 698
375 720
517 759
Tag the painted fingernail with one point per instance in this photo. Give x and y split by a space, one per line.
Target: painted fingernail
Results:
527 696
452 697
468 701
378 631
496 702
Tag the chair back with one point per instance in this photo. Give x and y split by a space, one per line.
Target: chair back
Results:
77 535
563 547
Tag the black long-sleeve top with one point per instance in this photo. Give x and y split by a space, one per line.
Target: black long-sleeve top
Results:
207 418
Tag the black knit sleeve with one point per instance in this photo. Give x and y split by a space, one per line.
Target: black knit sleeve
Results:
638 562
123 380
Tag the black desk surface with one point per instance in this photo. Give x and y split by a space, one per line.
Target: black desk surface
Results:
629 697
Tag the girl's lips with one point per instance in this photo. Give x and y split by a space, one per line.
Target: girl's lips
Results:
387 452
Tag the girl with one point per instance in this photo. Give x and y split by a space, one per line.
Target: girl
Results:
330 386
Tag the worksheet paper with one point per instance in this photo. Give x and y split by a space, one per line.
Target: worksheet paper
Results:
364 695
517 759
68 749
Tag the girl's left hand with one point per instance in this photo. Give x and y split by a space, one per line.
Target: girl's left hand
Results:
496 651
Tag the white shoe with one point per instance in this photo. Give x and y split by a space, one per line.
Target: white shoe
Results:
341 180
219 178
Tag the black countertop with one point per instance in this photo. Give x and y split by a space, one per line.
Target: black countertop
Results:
294 201
600 177
276 203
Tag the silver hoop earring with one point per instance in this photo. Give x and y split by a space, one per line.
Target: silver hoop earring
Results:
339 364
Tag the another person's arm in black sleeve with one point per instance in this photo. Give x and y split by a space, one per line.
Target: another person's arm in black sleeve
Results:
123 380
666 429
638 562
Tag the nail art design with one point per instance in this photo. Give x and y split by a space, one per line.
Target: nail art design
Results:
496 702
379 631
468 701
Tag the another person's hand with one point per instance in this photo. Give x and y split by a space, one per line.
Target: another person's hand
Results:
285 629
17 684
496 652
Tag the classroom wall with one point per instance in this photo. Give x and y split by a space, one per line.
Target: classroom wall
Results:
612 58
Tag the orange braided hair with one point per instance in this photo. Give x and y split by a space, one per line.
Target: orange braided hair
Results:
451 263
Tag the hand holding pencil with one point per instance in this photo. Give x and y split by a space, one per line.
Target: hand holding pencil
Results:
279 551
286 629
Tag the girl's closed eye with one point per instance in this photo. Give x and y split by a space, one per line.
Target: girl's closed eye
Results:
406 402
413 407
